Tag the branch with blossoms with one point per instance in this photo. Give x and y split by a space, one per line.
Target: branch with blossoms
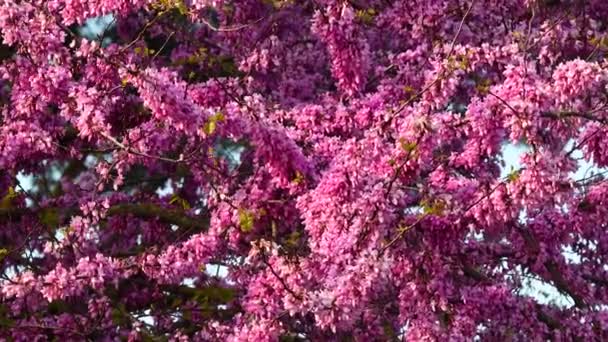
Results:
364 141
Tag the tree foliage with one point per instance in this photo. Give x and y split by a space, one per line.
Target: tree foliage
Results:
302 170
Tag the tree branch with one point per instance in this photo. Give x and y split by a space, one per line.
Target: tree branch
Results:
567 114
555 275
140 210
169 216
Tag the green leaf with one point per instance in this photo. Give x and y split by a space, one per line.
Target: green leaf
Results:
210 127
211 124
290 338
409 90
274 229
214 294
228 67
176 302
246 220
366 16
181 7
389 331
293 239
408 146
177 5
7 200
120 316
483 86
187 315
299 178
149 337
176 199
433 207
513 175
3 253
117 316
208 294
49 217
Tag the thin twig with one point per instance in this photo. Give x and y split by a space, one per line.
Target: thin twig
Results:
143 31
440 75
160 49
230 29
402 233
136 152
295 295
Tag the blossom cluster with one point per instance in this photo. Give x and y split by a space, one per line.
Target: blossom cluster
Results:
264 170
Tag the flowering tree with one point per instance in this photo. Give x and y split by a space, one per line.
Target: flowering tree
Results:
302 170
